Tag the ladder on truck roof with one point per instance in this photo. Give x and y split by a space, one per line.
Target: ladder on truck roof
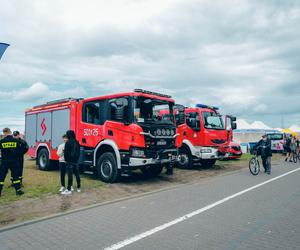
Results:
151 93
69 99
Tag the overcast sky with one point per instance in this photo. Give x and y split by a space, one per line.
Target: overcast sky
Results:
243 56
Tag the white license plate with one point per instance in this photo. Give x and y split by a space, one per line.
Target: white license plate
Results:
161 143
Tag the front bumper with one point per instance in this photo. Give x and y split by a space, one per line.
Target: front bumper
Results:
206 153
234 155
165 156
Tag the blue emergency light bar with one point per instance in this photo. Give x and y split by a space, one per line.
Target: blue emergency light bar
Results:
206 106
3 47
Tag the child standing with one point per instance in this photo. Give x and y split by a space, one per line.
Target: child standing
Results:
62 163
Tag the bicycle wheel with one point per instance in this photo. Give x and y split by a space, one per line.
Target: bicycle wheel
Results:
254 166
295 157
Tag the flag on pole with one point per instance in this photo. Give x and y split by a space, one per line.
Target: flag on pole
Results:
3 47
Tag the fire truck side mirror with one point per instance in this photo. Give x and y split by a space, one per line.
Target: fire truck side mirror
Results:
233 125
181 118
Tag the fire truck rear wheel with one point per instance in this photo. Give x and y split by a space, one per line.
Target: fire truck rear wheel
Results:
185 159
107 169
43 160
152 171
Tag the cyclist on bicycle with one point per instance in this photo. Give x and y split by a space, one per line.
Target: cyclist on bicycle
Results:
263 148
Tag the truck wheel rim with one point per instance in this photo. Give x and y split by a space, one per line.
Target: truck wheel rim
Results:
106 168
184 159
43 160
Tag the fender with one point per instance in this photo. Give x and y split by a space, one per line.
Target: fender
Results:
42 145
190 146
115 148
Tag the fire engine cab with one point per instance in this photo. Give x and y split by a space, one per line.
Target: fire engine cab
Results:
117 133
206 136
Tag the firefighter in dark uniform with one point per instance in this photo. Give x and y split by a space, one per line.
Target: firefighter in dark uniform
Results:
11 149
24 149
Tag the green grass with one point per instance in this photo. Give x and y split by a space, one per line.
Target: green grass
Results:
38 184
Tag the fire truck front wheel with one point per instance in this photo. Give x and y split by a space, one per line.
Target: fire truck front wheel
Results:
185 159
107 169
43 160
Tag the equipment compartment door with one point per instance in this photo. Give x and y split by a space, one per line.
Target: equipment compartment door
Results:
44 128
30 129
60 125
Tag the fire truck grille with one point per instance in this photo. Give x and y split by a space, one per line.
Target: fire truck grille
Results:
218 141
236 148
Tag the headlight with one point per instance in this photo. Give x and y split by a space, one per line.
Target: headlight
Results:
168 132
205 150
158 131
163 131
138 153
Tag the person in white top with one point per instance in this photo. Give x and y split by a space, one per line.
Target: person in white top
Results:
62 163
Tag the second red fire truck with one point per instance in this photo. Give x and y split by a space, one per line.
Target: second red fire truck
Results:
117 133
206 136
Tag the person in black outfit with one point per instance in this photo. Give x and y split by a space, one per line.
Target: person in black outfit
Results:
11 150
71 154
263 148
288 149
24 149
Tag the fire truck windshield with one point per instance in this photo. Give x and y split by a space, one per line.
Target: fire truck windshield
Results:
149 110
212 120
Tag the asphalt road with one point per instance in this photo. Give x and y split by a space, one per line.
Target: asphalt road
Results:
233 211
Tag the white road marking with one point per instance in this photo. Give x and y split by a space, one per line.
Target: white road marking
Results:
138 237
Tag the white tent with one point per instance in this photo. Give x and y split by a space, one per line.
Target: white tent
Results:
242 124
259 125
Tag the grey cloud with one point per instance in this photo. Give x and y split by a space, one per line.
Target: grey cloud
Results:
241 55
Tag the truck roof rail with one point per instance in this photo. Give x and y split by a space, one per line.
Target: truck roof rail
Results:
151 93
69 99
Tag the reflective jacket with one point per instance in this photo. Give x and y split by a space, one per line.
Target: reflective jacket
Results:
11 148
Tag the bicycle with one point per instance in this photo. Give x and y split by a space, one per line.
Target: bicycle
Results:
254 165
295 156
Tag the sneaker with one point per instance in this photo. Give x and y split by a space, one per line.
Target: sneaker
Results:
19 192
72 189
78 190
66 192
62 189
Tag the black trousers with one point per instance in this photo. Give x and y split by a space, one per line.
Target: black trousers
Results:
20 169
14 167
62 169
267 163
73 168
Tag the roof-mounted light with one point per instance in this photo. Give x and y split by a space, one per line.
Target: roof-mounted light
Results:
206 106
151 93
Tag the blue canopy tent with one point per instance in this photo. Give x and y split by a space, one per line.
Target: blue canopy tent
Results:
3 47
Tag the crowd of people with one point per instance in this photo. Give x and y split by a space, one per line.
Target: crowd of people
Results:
13 148
291 146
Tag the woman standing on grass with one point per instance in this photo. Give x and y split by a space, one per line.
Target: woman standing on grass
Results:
71 154
62 164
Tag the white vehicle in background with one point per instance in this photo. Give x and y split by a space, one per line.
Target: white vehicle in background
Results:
277 141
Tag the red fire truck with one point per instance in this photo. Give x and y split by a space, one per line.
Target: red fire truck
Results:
117 133
206 136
